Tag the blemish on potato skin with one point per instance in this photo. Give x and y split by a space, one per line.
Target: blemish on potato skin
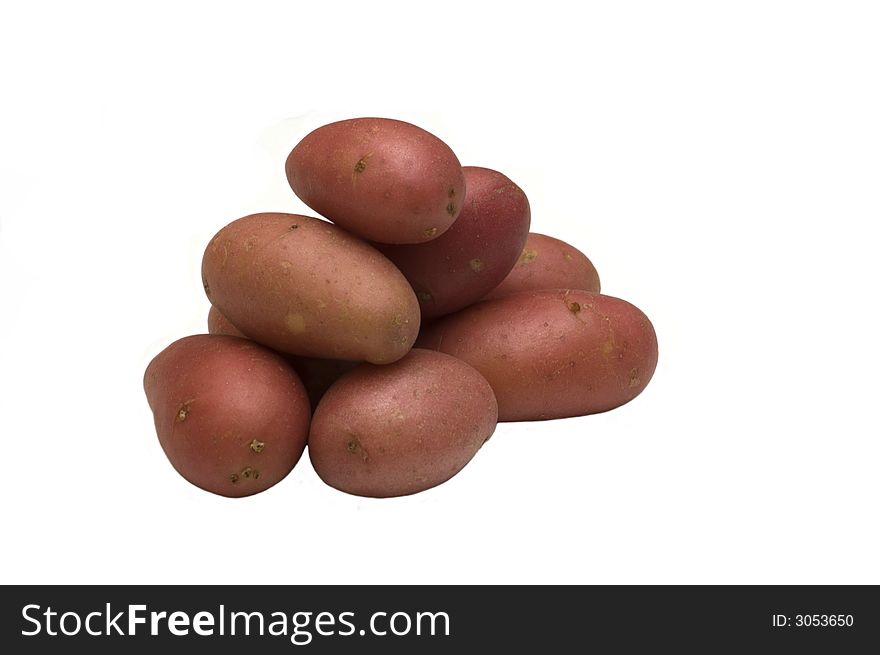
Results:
451 193
430 232
634 379
528 256
206 286
295 323
184 410
294 226
476 265
354 446
360 166
450 209
424 297
574 307
257 446
248 473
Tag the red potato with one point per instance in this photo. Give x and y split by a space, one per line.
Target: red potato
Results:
303 286
381 179
402 428
552 354
475 254
548 263
231 415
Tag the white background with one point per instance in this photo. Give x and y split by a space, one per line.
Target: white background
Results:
718 161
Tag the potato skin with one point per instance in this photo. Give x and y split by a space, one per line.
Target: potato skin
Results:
219 324
382 179
552 354
395 430
548 263
231 415
303 286
316 374
476 253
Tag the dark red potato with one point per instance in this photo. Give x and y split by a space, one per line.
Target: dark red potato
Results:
475 254
381 179
231 415
548 263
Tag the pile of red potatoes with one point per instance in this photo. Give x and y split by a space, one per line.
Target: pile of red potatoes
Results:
394 335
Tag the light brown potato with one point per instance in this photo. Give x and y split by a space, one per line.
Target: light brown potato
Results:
382 179
548 263
473 256
231 415
399 429
303 286
552 354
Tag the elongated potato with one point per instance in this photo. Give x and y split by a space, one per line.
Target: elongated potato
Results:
399 429
382 179
303 286
476 253
552 354
548 263
231 415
